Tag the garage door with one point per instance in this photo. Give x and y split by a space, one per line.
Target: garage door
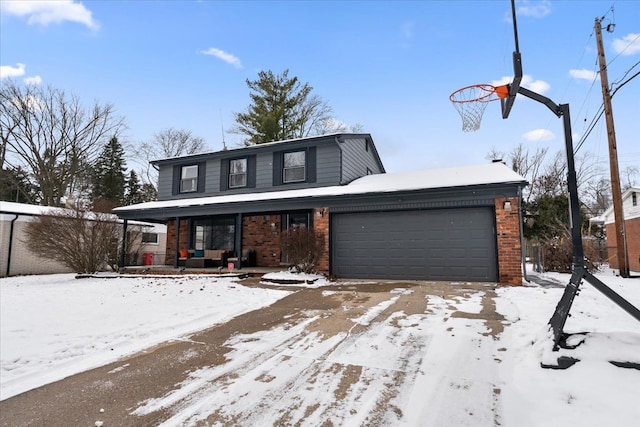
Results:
443 244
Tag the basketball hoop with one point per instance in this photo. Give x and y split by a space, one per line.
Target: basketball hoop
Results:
471 101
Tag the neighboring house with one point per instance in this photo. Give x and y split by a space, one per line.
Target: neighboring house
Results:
449 224
631 213
17 259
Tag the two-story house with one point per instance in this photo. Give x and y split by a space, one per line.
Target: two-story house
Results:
631 214
447 224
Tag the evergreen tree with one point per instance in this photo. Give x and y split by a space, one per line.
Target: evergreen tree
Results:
282 108
133 193
149 192
16 186
108 177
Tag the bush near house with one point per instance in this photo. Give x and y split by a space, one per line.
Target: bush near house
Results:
304 248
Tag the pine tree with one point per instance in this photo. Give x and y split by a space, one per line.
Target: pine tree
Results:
282 108
149 192
108 177
17 186
133 193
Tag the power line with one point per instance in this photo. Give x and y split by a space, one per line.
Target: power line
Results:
596 118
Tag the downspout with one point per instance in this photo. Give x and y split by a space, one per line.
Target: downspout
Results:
123 248
523 251
10 244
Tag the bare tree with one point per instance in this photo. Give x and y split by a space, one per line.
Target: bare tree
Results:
83 241
167 143
51 135
597 196
313 114
629 177
529 165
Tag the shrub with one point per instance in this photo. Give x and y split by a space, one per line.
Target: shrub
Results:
304 248
557 255
83 241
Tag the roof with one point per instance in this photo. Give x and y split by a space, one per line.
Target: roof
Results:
630 211
493 173
331 137
13 208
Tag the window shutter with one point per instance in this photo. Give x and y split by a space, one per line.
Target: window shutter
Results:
202 167
175 186
224 174
251 171
311 164
277 168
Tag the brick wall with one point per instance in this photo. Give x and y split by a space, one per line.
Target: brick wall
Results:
171 240
508 240
262 234
632 231
321 225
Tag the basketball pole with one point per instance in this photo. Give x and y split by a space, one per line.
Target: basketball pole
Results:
579 270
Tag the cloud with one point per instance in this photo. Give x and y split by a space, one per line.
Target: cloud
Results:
539 135
407 29
221 54
533 9
46 12
35 80
538 86
628 45
7 71
583 74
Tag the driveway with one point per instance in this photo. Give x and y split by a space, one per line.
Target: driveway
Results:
362 353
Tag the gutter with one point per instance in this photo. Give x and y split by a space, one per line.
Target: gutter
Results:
11 227
523 251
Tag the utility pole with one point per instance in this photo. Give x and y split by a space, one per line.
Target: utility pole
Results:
621 250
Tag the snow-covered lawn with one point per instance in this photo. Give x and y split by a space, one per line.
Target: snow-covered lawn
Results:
55 326
436 367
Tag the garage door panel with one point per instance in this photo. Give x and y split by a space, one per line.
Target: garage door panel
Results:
446 244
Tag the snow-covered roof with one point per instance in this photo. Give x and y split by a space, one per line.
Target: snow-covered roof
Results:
25 209
265 144
629 211
14 208
492 173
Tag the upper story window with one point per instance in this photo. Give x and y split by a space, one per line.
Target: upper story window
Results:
634 199
237 173
189 179
294 166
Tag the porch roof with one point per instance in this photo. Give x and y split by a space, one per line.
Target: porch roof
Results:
384 184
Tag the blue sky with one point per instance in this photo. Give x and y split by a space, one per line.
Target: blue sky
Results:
389 66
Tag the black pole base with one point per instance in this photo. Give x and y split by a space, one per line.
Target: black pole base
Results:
564 362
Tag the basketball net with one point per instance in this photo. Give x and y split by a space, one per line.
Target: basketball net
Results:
471 101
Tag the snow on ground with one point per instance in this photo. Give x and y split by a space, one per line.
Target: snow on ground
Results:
390 364
53 326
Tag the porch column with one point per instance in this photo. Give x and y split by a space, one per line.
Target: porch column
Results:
123 248
238 243
176 255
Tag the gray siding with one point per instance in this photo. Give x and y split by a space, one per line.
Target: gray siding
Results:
264 172
165 182
338 160
356 159
327 165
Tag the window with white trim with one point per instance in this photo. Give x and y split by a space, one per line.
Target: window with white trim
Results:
150 238
189 179
237 173
294 166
